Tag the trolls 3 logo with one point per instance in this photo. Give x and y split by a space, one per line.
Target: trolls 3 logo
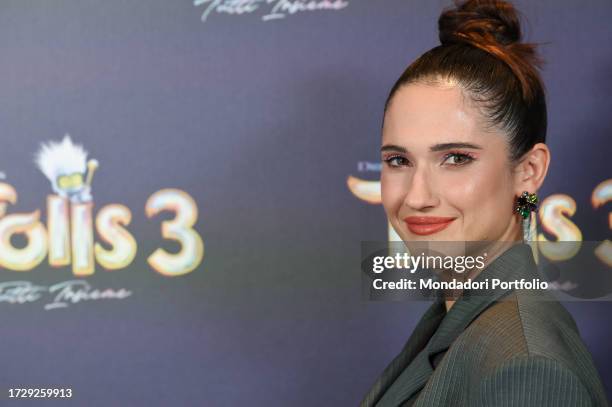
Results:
68 236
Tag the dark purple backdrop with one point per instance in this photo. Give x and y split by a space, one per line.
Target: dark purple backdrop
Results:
261 122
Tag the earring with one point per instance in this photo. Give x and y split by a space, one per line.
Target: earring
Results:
526 206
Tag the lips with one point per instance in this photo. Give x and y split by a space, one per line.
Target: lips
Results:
426 225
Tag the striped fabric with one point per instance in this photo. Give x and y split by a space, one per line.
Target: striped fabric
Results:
493 348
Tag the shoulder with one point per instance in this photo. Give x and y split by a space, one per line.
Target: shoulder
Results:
528 323
519 324
534 380
528 344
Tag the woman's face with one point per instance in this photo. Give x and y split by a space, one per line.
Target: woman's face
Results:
439 160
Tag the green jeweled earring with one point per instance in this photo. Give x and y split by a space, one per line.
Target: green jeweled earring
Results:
527 204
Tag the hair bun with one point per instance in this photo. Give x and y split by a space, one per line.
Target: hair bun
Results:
484 22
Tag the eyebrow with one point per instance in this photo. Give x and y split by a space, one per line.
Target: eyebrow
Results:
434 148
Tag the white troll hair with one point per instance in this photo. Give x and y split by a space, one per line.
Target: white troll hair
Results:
60 158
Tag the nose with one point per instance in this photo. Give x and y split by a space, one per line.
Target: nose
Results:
420 193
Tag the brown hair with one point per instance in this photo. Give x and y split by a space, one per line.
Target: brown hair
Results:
481 49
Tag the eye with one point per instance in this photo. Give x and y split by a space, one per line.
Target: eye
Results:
395 161
459 158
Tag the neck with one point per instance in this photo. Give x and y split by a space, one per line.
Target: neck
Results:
494 250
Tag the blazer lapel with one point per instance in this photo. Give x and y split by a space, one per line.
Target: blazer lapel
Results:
422 332
409 382
517 262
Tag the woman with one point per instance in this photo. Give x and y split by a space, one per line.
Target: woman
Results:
463 156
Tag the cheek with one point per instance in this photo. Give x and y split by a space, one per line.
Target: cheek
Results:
482 194
392 192
465 192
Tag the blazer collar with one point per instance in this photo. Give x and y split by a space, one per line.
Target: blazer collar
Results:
422 332
515 263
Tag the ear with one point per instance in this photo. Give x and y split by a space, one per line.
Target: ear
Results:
530 172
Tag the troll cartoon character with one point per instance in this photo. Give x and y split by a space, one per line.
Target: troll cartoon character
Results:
65 165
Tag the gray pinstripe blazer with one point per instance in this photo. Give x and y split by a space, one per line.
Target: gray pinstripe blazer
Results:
505 348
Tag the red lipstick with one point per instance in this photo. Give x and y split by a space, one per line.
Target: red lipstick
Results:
426 225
